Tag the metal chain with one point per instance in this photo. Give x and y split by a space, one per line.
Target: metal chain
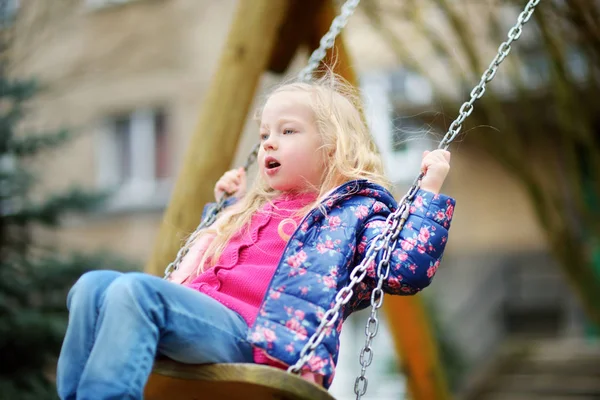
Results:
382 241
388 238
385 240
328 39
467 108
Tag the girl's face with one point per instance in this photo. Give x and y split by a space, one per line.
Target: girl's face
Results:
290 158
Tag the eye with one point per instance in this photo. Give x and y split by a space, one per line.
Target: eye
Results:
264 136
288 131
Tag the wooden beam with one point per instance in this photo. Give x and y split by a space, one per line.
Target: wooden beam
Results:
408 322
247 51
294 31
416 345
337 57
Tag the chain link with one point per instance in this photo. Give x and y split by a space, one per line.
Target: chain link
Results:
388 238
328 39
503 50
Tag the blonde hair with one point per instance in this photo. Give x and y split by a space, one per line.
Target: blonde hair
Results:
348 150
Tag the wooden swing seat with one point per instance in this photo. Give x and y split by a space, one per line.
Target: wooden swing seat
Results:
171 380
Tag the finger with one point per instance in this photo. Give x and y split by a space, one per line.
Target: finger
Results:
232 172
221 184
232 176
443 154
447 155
226 182
425 153
240 175
221 189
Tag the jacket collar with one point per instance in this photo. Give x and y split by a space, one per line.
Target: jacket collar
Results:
361 187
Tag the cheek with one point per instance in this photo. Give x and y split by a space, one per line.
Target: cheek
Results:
311 167
260 162
312 160
307 157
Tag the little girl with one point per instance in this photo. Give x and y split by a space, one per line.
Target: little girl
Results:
255 285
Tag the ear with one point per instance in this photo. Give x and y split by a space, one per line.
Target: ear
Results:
329 150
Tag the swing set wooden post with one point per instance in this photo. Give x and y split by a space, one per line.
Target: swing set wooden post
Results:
417 347
266 34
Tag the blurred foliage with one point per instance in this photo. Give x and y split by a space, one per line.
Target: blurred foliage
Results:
539 116
34 277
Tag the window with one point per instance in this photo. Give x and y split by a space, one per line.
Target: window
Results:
122 132
133 158
8 11
161 154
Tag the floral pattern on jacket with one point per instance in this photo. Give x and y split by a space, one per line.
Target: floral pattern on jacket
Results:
320 255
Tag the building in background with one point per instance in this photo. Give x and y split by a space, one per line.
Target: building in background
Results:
130 78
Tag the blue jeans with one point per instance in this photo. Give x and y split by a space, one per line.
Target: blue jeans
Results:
118 322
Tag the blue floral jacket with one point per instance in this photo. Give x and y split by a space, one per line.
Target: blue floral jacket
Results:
320 255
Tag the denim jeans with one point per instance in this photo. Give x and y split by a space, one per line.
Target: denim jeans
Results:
118 322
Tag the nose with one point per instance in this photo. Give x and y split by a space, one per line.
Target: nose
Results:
270 143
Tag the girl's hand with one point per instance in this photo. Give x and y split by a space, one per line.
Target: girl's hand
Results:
231 182
435 166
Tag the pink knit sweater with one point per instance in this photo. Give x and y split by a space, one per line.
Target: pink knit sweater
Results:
242 275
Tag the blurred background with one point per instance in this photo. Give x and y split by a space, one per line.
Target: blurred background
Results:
99 100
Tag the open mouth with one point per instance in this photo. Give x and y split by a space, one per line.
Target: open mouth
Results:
272 166
271 163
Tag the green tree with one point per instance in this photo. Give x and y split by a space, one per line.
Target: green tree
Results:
34 277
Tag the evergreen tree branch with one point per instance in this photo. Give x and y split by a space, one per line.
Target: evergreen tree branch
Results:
32 144
50 211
